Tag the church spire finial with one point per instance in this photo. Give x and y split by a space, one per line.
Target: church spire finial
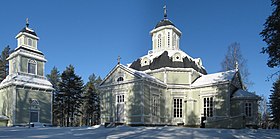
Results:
27 22
236 65
165 11
119 60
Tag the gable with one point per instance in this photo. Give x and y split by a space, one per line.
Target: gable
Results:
119 72
236 81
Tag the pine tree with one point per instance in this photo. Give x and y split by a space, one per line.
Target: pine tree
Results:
271 35
234 59
92 101
4 63
54 78
97 112
274 101
71 88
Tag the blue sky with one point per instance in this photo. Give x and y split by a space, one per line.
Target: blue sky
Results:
90 34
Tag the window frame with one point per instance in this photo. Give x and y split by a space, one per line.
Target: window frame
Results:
208 106
159 40
29 42
155 104
168 39
178 107
120 79
119 98
248 109
32 62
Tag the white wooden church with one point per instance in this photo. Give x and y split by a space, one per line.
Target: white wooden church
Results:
168 87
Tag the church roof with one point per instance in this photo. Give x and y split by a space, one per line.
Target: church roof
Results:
144 75
242 94
29 31
164 59
136 73
164 22
214 78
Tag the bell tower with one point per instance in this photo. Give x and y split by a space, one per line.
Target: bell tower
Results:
165 35
29 91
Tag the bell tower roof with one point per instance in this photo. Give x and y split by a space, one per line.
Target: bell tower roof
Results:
165 21
27 39
28 31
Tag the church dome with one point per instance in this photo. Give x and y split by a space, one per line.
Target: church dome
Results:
164 22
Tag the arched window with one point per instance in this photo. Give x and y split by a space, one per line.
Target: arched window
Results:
32 64
120 79
159 40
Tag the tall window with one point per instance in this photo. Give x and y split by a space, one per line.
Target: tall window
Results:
168 39
155 105
208 107
30 42
25 40
177 111
173 40
159 40
32 66
120 98
248 109
20 41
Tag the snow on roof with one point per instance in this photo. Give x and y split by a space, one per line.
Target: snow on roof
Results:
243 94
154 55
142 74
27 80
2 117
214 78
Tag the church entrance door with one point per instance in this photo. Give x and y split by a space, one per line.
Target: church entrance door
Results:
120 108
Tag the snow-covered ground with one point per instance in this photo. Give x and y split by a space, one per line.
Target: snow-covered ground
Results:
99 132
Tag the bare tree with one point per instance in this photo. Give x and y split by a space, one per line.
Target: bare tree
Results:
263 112
233 60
